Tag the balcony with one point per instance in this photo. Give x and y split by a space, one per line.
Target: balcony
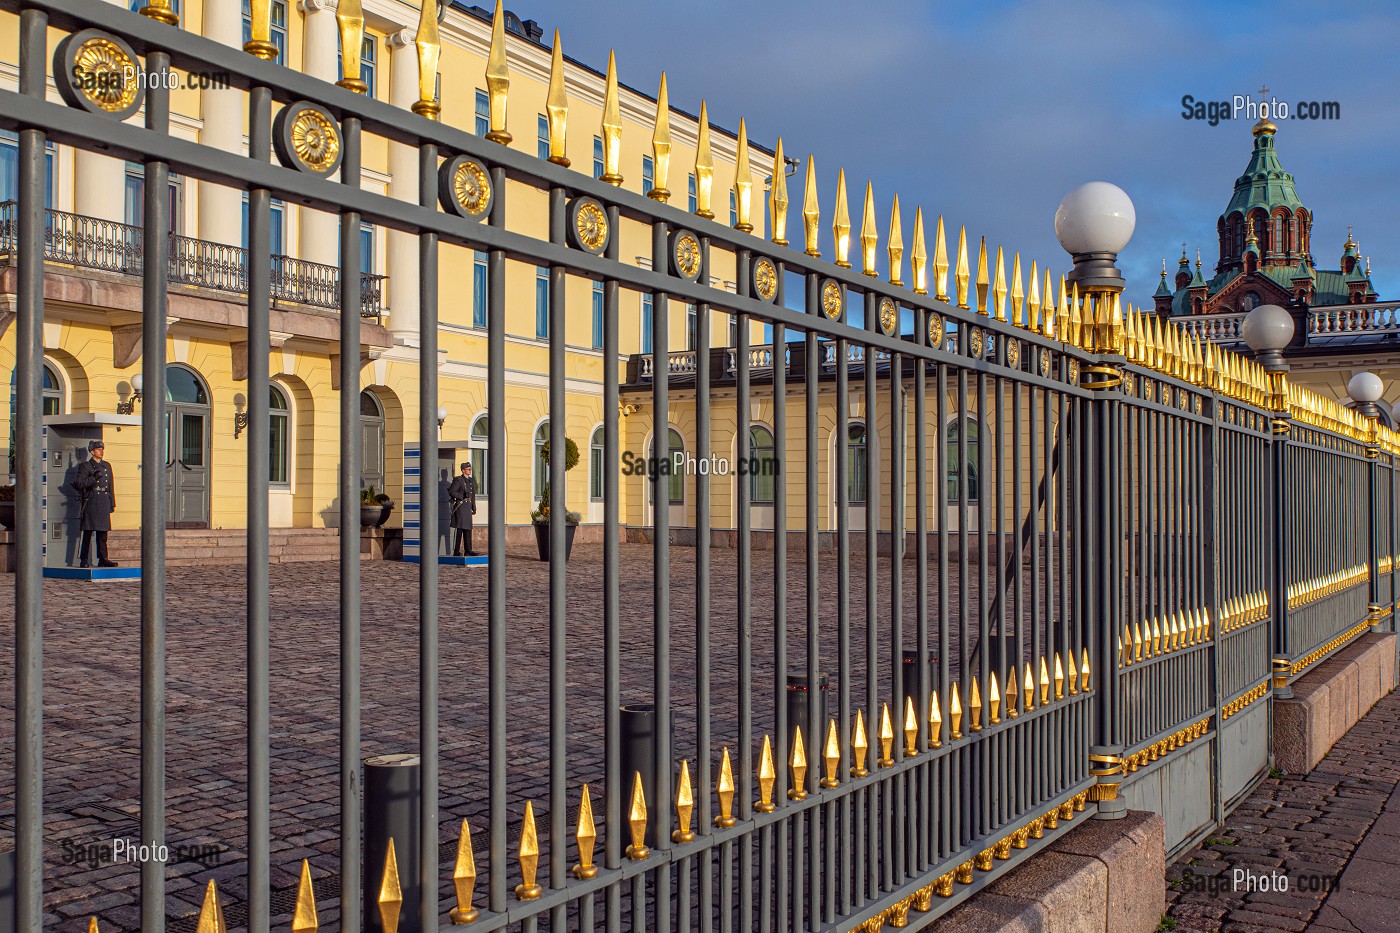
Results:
90 243
1374 325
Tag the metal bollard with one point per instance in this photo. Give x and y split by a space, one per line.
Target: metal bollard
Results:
813 733
910 674
639 755
393 798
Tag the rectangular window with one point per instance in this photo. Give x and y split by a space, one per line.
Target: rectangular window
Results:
542 146
733 330
597 315
542 302
648 174
646 323
9 168
134 212
597 157
733 210
483 113
595 467
278 33
279 225
367 249
367 63
478 289
692 327
693 203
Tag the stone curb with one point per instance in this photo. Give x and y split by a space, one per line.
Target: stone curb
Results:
1330 699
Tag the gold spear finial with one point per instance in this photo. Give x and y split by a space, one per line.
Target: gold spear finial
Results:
1051 324
304 918
743 182
974 706
92 921
767 777
993 698
841 223
999 288
886 737
429 47
955 712
911 728
1059 678
1028 688
498 78
350 23
1011 697
919 254
983 281
704 166
935 721
1044 682
724 790
798 764
940 262
586 835
1137 642
557 106
260 42
612 126
211 915
637 820
685 806
831 757
860 745
464 878
390 893
1018 296
896 244
778 196
661 146
811 212
528 890
160 11
869 236
962 274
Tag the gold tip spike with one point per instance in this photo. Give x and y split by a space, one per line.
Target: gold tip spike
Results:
798 764
955 712
911 728
869 236
983 282
1044 682
999 288
841 223
1018 297
743 182
391 895
350 23
1048 306
896 245
704 166
637 820
1059 678
428 44
661 146
211 915
685 806
260 43
886 737
993 698
811 211
304 918
557 105
527 890
498 78
831 757
1033 320
860 746
585 833
1156 637
767 777
1063 315
92 921
935 721
612 127
1077 329
464 875
940 262
1137 642
1011 697
919 255
961 275
778 196
724 791
1028 688
160 11
974 706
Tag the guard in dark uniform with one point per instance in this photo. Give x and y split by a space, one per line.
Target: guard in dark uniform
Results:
461 495
94 482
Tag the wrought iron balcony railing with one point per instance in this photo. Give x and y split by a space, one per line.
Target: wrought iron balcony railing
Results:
93 243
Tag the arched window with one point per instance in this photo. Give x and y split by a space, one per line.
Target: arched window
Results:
1250 302
676 479
478 445
762 465
541 468
182 385
280 449
595 465
53 391
957 468
857 465
371 442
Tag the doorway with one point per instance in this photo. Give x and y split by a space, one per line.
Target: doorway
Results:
186 449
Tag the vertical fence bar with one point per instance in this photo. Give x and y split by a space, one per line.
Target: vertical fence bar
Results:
850 865
874 833
259 442
703 446
781 726
496 557
743 781
660 809
924 827
29 516
558 528
811 731
612 597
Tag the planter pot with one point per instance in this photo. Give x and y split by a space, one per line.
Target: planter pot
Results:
374 515
542 539
7 515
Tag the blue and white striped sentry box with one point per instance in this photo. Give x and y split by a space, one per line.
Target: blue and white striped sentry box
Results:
413 508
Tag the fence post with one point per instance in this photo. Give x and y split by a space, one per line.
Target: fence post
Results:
1366 389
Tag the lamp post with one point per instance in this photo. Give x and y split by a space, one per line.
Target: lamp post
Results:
441 417
1366 389
1093 224
127 404
1267 330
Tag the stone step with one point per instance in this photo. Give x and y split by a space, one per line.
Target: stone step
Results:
191 546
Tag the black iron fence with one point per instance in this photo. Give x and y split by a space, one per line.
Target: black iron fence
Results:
1094 602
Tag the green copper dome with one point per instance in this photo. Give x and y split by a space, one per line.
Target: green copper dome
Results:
1264 183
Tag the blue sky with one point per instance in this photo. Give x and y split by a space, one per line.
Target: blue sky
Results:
988 113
